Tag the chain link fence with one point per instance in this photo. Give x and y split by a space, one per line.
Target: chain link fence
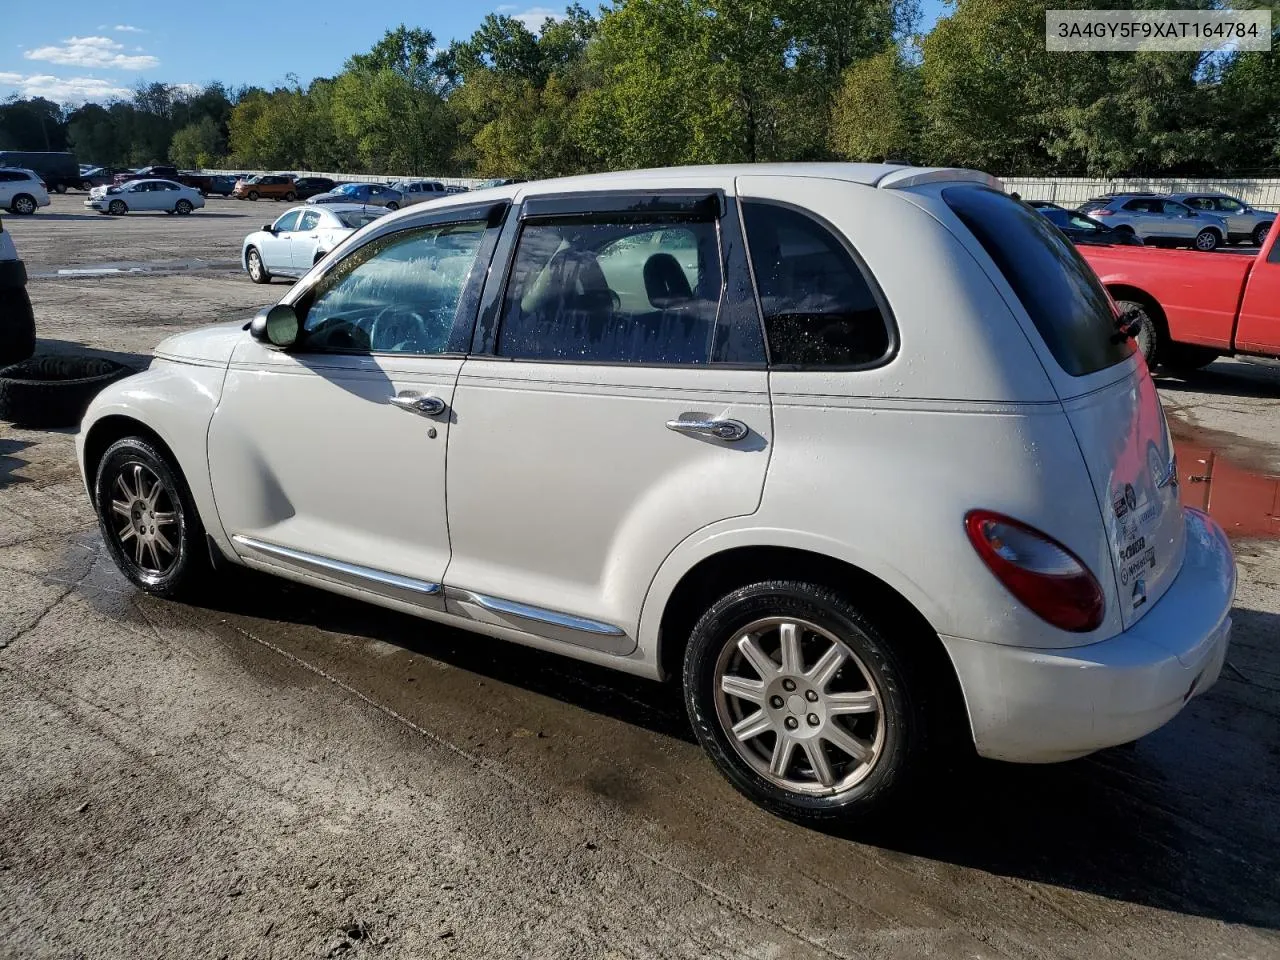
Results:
1073 191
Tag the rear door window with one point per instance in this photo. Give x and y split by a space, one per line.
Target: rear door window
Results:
1059 291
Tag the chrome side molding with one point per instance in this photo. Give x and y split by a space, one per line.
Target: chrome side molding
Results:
421 592
551 624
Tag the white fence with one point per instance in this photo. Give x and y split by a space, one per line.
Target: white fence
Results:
1073 191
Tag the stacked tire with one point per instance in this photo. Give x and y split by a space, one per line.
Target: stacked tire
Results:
54 391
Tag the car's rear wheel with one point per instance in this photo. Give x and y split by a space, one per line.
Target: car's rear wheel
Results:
291 196
23 204
393 205
1260 233
183 207
803 704
1207 240
257 269
117 208
148 519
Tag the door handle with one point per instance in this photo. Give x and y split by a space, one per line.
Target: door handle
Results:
731 430
424 406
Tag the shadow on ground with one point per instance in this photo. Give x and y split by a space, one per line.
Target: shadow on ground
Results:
138 361
1187 819
1245 379
9 463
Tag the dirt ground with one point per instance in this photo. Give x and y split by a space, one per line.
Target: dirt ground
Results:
284 773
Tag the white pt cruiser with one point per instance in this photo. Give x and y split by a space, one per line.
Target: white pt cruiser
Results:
858 452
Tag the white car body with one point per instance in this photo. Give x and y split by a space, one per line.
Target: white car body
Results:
145 195
583 498
7 250
19 188
301 236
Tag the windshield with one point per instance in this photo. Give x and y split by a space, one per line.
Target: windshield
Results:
357 218
1059 291
349 188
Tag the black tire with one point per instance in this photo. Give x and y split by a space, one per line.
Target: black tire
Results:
1150 335
86 186
163 573
24 205
1127 230
117 208
899 720
291 196
252 195
1260 233
183 207
60 188
256 268
1207 240
54 391
17 326
392 205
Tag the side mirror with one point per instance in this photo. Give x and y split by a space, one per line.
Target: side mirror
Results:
269 227
275 326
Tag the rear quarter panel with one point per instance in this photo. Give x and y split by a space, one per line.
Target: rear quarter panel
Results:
1198 292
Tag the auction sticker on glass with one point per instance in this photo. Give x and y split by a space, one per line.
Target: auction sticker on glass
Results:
1118 30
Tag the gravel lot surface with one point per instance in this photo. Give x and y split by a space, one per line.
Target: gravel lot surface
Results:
284 773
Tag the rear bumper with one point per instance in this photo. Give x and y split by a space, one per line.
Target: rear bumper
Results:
1040 706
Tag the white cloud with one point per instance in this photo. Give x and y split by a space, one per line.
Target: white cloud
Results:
94 53
186 89
534 17
62 89
127 28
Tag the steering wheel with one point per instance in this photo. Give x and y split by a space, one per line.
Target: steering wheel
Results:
398 328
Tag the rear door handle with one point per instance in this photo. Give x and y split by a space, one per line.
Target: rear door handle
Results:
424 406
731 430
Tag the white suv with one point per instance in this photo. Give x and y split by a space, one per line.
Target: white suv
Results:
22 191
856 451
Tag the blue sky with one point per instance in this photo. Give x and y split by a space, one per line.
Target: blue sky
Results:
104 54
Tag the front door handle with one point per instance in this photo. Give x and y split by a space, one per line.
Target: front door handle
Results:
731 430
424 406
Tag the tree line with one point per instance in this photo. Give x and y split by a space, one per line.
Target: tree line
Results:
658 82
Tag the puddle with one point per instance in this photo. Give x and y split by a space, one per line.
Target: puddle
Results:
133 267
1245 502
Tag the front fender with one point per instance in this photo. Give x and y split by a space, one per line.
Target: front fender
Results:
176 402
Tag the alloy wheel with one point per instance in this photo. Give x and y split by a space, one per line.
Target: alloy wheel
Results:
799 706
1206 240
145 519
25 206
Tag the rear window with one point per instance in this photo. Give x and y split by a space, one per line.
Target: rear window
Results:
1057 288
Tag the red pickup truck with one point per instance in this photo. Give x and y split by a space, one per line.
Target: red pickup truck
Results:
1196 306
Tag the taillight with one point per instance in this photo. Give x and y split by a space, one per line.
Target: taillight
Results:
1043 574
1100 213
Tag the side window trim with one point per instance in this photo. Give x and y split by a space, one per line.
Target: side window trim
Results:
868 277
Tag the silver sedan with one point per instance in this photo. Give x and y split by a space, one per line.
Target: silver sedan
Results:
301 237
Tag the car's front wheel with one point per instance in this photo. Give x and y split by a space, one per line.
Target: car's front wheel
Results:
801 701
117 208
1207 240
393 205
148 519
23 204
252 194
1260 233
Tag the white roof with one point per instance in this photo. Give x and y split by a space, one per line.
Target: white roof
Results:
885 175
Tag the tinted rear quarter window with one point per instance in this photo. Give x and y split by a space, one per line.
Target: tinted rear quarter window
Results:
1070 309
819 308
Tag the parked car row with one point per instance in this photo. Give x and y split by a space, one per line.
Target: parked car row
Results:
1203 221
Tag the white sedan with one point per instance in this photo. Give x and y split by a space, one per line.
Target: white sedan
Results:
145 195
301 237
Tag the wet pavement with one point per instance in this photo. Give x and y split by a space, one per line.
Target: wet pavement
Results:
280 772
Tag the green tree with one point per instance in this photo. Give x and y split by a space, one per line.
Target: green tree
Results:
875 114
198 144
